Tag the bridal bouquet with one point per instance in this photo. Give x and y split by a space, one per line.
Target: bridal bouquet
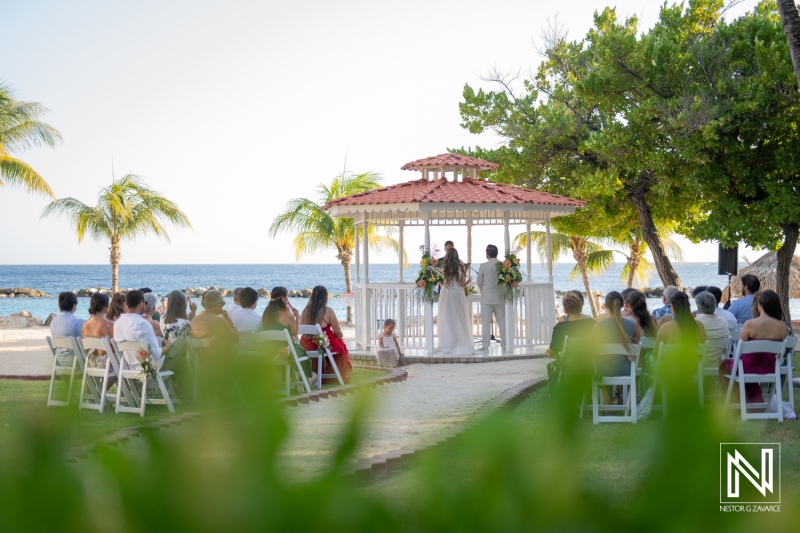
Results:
148 367
508 275
322 342
429 277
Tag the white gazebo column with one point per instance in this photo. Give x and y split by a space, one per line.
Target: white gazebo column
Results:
469 242
357 247
428 305
508 327
528 249
401 296
367 322
506 234
551 301
549 251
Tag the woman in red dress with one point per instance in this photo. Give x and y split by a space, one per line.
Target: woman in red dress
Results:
318 312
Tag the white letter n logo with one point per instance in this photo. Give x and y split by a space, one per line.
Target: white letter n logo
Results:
738 464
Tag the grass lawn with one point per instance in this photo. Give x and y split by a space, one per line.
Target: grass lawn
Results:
613 462
27 400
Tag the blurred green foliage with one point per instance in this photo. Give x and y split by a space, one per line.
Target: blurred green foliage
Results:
532 468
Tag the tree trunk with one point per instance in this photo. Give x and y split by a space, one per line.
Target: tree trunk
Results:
580 258
115 257
785 255
633 261
349 287
790 19
632 266
344 256
650 234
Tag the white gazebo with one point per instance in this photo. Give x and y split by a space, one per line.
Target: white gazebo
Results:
449 193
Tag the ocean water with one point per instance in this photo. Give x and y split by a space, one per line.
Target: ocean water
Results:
53 279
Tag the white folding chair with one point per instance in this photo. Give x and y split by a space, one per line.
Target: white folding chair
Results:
646 343
787 369
627 382
313 330
67 360
739 376
283 336
94 386
723 346
127 376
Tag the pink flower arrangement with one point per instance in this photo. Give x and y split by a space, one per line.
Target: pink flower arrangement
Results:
515 284
421 283
506 263
434 262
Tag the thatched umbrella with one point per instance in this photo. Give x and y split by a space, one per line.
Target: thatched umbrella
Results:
766 269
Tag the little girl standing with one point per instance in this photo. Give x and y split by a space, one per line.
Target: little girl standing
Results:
388 352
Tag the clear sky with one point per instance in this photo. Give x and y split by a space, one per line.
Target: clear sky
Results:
230 108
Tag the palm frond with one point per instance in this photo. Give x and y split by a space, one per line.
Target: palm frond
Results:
599 261
19 173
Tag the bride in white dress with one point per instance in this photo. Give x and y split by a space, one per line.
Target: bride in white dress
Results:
454 324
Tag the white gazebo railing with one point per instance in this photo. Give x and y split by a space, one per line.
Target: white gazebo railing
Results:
531 320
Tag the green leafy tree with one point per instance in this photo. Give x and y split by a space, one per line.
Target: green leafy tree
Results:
601 117
749 172
125 210
21 129
590 257
316 230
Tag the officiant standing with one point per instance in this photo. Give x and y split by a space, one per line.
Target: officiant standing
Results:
492 298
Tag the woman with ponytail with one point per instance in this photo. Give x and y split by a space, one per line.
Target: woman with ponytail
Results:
615 329
97 327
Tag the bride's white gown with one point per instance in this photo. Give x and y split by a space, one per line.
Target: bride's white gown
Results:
454 324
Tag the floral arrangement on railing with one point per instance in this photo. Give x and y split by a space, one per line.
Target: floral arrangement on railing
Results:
149 368
469 289
322 342
430 276
508 275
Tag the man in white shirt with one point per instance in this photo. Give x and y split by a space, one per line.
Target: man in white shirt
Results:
724 313
132 326
236 303
66 325
246 318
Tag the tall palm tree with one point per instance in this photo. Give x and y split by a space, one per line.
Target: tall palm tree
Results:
590 256
20 129
126 209
638 269
317 230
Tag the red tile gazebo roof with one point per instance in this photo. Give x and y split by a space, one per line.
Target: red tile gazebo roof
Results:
466 191
450 160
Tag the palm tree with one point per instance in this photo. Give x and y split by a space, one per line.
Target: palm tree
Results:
126 209
317 230
638 269
590 257
21 129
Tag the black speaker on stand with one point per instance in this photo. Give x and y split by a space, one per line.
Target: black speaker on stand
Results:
728 265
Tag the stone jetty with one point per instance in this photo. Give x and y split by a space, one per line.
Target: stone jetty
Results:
22 292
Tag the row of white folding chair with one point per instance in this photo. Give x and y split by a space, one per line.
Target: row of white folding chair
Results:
788 368
127 377
738 375
71 362
723 345
97 379
627 382
314 330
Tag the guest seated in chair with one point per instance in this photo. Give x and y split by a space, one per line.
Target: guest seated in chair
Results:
117 306
215 323
575 324
615 329
245 318
280 315
66 324
716 327
97 327
318 312
770 325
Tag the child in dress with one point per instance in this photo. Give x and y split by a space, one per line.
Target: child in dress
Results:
388 348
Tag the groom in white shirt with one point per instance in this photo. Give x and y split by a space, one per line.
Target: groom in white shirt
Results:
492 298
